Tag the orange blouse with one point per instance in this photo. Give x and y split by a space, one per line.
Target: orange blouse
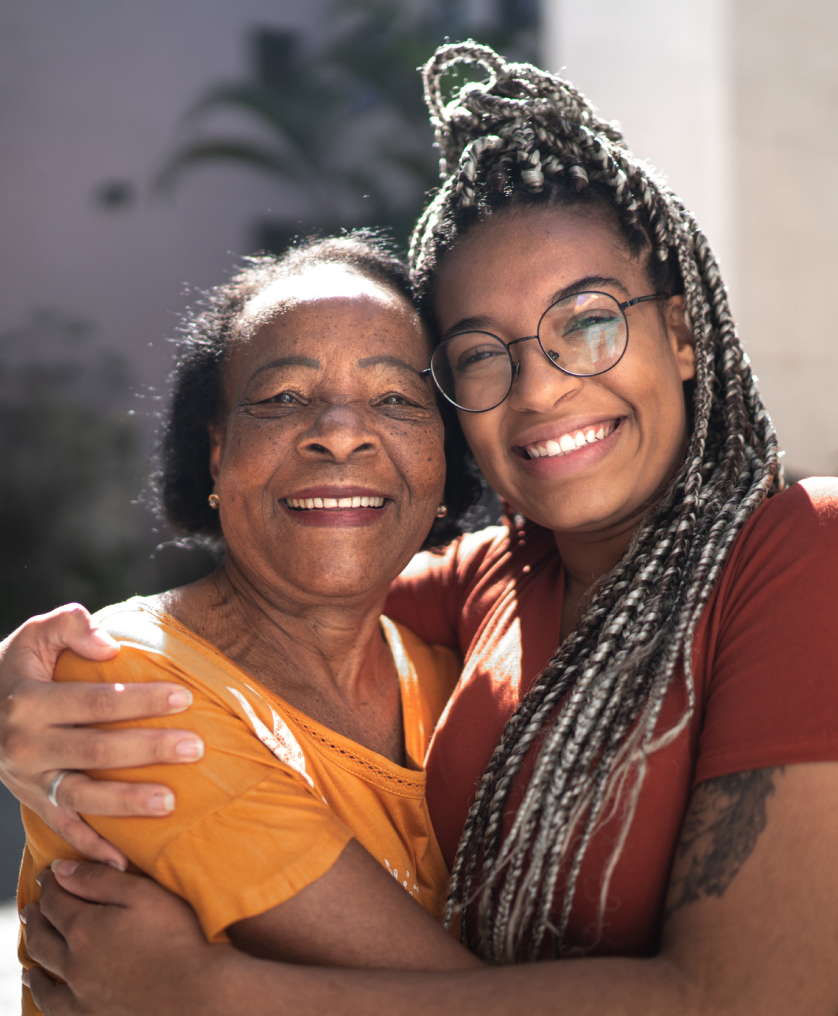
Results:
276 797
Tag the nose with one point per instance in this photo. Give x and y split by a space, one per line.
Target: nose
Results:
339 433
538 384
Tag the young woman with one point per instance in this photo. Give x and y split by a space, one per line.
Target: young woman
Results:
637 771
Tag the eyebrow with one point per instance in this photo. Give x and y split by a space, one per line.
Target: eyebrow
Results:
393 361
480 322
286 361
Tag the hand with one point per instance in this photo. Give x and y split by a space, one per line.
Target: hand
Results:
42 732
122 944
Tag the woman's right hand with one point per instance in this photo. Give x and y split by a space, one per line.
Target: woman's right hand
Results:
43 731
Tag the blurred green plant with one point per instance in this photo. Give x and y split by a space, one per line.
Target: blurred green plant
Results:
72 525
70 474
343 121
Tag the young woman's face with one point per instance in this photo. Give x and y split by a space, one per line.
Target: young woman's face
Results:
330 463
501 278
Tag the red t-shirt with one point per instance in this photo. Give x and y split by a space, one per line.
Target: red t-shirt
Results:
765 669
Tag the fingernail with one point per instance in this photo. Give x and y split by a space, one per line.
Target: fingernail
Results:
25 978
39 876
161 803
191 748
104 639
63 867
180 698
116 865
22 916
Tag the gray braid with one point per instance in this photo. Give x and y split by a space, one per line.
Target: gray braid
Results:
512 137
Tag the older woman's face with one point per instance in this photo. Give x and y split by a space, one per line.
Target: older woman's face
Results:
330 464
501 278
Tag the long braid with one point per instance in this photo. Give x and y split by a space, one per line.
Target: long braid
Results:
519 137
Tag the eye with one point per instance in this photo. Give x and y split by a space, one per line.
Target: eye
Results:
394 399
593 319
282 398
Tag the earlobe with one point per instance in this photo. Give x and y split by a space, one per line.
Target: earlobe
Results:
681 336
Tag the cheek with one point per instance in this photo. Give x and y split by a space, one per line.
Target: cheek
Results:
483 434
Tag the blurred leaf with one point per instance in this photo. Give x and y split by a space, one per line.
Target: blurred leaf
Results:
345 117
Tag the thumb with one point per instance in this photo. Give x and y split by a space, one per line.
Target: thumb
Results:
34 648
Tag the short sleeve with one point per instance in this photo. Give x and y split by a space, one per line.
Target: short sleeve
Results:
771 645
248 833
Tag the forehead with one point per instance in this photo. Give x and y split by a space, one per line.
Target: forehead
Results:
316 287
328 312
529 254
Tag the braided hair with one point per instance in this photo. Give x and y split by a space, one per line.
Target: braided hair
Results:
526 137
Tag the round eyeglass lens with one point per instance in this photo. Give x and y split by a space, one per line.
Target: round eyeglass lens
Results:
473 370
584 334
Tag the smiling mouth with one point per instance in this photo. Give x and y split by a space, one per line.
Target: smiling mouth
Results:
302 504
568 443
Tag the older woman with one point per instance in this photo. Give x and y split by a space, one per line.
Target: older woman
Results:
637 771
301 388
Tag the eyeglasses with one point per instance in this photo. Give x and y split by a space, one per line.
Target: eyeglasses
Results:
584 334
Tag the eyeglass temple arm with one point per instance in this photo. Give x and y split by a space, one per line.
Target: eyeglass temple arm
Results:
641 299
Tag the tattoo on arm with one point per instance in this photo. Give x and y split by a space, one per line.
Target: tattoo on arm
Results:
724 822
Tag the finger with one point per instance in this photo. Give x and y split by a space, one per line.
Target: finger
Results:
95 883
52 999
86 748
44 942
86 840
38 642
61 908
88 702
79 793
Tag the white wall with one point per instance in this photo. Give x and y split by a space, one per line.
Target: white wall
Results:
94 89
660 67
737 102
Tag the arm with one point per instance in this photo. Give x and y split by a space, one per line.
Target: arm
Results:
752 927
42 731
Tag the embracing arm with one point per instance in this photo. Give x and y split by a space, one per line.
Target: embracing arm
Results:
752 927
42 731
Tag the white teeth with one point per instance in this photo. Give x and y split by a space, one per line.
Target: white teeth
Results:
331 502
568 442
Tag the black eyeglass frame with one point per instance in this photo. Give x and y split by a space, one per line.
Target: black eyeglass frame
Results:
516 367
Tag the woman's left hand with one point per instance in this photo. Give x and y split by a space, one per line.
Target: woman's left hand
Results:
121 943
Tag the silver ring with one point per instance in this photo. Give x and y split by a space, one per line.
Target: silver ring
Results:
54 784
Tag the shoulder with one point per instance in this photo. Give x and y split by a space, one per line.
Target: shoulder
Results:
798 526
153 647
462 556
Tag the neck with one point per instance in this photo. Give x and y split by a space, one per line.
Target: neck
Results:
586 558
307 649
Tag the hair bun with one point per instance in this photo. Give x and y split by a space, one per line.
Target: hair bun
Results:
513 94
